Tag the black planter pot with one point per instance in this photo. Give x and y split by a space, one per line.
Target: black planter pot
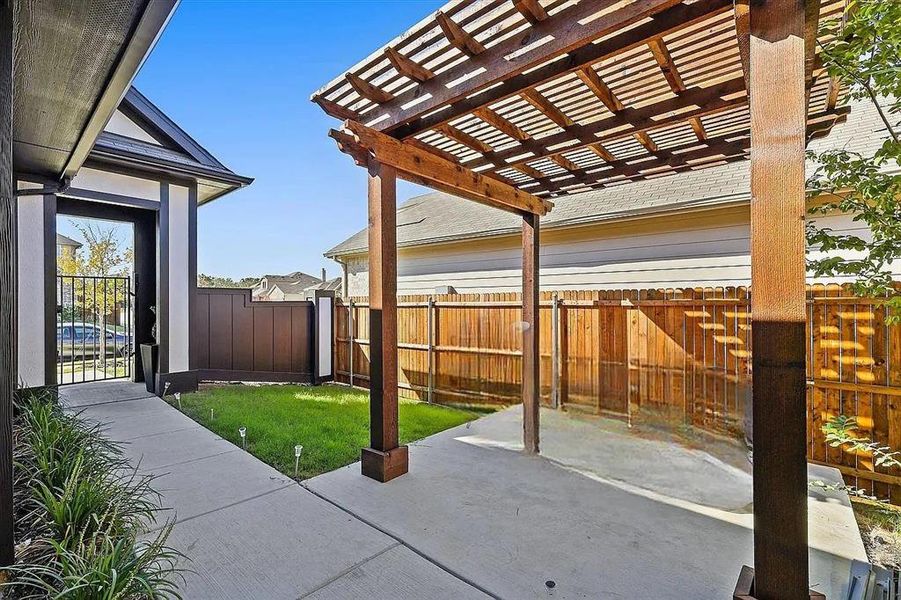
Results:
150 359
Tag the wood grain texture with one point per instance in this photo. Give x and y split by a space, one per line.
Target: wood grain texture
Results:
531 365
778 127
625 353
383 307
8 288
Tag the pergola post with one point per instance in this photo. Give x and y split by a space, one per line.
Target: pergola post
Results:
384 459
778 119
531 368
7 285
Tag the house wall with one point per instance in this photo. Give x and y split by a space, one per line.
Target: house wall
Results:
179 277
709 248
175 204
36 227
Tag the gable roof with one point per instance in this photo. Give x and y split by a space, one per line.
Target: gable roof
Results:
62 240
178 153
438 217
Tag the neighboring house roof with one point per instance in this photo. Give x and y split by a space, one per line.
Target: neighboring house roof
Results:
329 285
62 240
178 153
292 283
438 217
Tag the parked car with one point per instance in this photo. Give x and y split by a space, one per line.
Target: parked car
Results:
86 340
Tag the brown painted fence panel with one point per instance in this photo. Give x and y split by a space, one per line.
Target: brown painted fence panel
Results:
682 356
234 338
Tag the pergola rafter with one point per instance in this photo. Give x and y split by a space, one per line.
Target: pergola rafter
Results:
509 102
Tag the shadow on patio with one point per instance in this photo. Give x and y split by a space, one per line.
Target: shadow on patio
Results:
602 514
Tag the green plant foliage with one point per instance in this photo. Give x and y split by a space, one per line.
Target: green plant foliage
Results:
80 513
865 54
841 432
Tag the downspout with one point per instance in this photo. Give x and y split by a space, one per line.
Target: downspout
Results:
345 283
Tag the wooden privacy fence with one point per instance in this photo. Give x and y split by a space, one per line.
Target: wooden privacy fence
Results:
234 338
678 356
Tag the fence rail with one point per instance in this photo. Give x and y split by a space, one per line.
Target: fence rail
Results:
682 356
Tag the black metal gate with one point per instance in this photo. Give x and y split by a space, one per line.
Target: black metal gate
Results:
94 338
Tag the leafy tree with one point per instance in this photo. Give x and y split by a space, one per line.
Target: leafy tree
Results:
864 53
216 281
103 255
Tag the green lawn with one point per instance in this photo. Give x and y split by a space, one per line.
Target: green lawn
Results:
331 422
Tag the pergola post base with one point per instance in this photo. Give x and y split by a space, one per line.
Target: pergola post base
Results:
385 465
744 588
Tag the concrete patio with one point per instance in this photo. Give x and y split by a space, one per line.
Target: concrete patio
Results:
473 518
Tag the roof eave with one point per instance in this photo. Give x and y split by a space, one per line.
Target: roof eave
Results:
148 30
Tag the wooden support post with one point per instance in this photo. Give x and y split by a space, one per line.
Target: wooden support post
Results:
531 386
384 459
778 114
8 289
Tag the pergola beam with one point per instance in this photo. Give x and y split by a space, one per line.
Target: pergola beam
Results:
424 166
600 89
531 10
407 67
666 64
507 59
366 89
501 124
508 80
457 36
694 102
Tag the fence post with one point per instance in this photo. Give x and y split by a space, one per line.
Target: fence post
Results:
350 340
431 344
555 351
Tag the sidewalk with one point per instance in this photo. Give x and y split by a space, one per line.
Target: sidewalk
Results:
249 531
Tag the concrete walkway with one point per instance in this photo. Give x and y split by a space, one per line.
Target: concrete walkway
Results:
601 514
249 531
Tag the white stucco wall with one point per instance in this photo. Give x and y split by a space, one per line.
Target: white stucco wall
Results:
702 249
116 183
31 228
179 278
122 125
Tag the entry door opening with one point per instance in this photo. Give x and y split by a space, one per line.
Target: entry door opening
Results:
95 300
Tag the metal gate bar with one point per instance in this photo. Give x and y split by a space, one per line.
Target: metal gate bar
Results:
91 344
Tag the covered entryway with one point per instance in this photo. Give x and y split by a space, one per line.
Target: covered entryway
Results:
101 320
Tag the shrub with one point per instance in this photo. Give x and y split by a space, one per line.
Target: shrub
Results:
80 512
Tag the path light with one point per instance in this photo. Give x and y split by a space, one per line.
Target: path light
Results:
178 399
297 450
211 414
166 388
243 432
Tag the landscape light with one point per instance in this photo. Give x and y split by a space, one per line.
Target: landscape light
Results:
297 450
243 432
178 399
211 414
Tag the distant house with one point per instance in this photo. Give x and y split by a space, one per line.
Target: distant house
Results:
690 229
293 286
66 246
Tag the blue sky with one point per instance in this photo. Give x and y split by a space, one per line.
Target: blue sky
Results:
237 76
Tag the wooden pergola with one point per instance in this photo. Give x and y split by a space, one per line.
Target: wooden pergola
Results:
512 103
